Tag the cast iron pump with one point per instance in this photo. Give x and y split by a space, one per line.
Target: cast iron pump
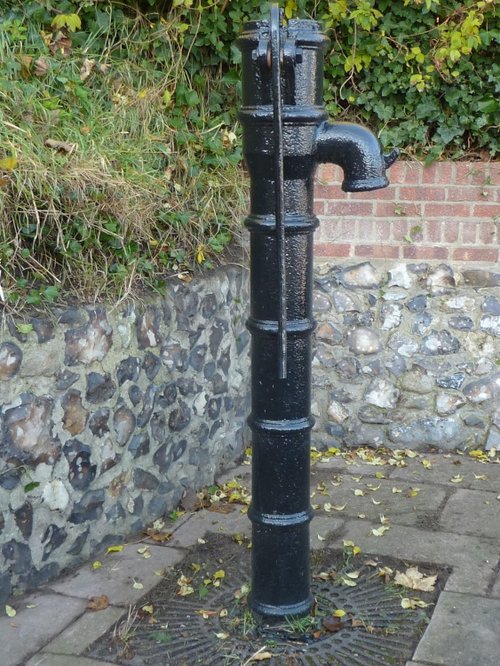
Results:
285 136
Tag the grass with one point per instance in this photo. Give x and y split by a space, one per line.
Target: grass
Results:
119 169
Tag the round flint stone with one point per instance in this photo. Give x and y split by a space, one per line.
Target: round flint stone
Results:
490 324
454 381
363 276
10 359
440 342
382 393
124 424
139 445
444 433
417 303
461 323
400 277
98 423
441 280
491 306
363 341
99 387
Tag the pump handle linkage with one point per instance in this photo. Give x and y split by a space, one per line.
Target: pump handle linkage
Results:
275 62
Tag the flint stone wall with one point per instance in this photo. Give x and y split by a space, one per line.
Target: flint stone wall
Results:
108 415
407 356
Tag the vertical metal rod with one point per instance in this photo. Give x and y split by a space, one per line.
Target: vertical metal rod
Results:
276 58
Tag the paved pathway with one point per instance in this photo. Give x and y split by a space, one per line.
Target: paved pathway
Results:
441 509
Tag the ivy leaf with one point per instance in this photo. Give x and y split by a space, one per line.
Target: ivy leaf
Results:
70 21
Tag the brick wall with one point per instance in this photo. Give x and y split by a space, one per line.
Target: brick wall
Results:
447 211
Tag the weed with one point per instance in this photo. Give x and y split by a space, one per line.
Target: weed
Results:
121 167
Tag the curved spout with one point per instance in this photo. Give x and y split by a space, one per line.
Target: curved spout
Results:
358 152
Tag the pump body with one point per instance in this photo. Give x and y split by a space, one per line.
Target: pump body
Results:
280 419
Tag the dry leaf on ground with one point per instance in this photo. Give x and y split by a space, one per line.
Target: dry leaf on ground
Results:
98 603
61 146
415 580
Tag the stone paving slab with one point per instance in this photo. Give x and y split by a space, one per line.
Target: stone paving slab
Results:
76 638
401 502
45 659
473 559
204 521
495 592
118 573
32 628
464 631
337 465
472 512
444 468
321 527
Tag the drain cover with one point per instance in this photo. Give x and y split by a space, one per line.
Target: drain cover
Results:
212 627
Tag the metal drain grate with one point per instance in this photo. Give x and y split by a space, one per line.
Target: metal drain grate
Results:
376 630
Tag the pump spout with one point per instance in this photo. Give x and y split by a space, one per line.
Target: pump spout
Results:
358 152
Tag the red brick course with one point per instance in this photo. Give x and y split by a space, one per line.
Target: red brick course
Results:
446 211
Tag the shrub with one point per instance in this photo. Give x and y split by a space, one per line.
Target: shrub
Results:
120 162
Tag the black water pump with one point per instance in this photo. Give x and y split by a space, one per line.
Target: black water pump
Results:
285 136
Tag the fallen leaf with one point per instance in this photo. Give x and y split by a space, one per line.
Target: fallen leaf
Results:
480 477
333 624
148 608
458 478
415 580
41 67
426 463
358 492
61 146
353 575
219 574
261 656
321 538
137 585
348 582
340 507
98 603
396 490
376 502
221 508
411 603
11 612
86 69
201 541
115 549
205 614
413 492
222 635
385 573
96 564
380 531
156 535
338 613
379 475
